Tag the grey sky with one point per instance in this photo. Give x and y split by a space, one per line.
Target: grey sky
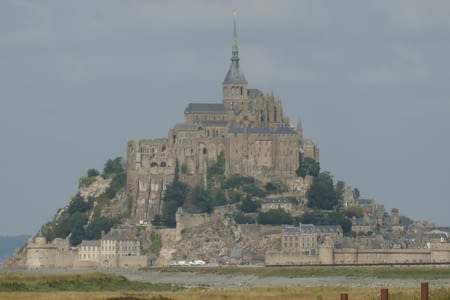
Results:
369 80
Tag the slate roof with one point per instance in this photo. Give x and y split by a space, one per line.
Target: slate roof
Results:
253 93
310 229
214 123
205 107
234 74
85 243
279 130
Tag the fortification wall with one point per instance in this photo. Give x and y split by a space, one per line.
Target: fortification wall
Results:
65 259
381 256
290 258
440 252
189 220
132 261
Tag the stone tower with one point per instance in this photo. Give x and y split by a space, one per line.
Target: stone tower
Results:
235 86
395 216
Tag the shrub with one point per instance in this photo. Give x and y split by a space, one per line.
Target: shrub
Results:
275 217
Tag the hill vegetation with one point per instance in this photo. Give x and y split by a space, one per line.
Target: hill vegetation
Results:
84 218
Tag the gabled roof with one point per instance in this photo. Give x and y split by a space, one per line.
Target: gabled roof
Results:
205 107
279 130
95 243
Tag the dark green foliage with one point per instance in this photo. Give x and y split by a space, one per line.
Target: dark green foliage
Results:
237 181
79 204
217 196
77 235
117 183
169 212
99 224
157 220
308 167
65 225
174 197
217 169
356 193
240 218
322 194
92 173
340 186
201 199
275 187
248 205
354 211
275 217
253 190
235 196
327 218
114 166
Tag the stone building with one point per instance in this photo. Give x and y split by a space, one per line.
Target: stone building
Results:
269 203
306 238
118 248
56 254
248 127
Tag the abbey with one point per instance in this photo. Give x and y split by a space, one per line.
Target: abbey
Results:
249 128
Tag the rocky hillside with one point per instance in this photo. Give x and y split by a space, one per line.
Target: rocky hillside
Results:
219 239
100 203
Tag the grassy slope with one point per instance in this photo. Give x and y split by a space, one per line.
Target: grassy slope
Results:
375 272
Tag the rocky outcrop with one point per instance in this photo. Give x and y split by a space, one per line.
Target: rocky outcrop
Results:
218 239
95 188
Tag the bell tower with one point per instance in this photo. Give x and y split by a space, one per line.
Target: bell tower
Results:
235 87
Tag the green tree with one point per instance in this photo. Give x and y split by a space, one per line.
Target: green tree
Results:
354 211
201 199
92 173
274 217
248 205
117 183
275 187
174 197
98 225
113 166
157 220
237 181
240 218
217 196
308 167
322 194
79 204
217 169
340 186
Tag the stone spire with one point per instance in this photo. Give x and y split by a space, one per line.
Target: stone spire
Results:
234 75
234 47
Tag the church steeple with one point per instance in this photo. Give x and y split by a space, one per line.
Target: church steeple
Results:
234 48
235 85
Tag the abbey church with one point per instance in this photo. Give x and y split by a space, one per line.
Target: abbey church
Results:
248 127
